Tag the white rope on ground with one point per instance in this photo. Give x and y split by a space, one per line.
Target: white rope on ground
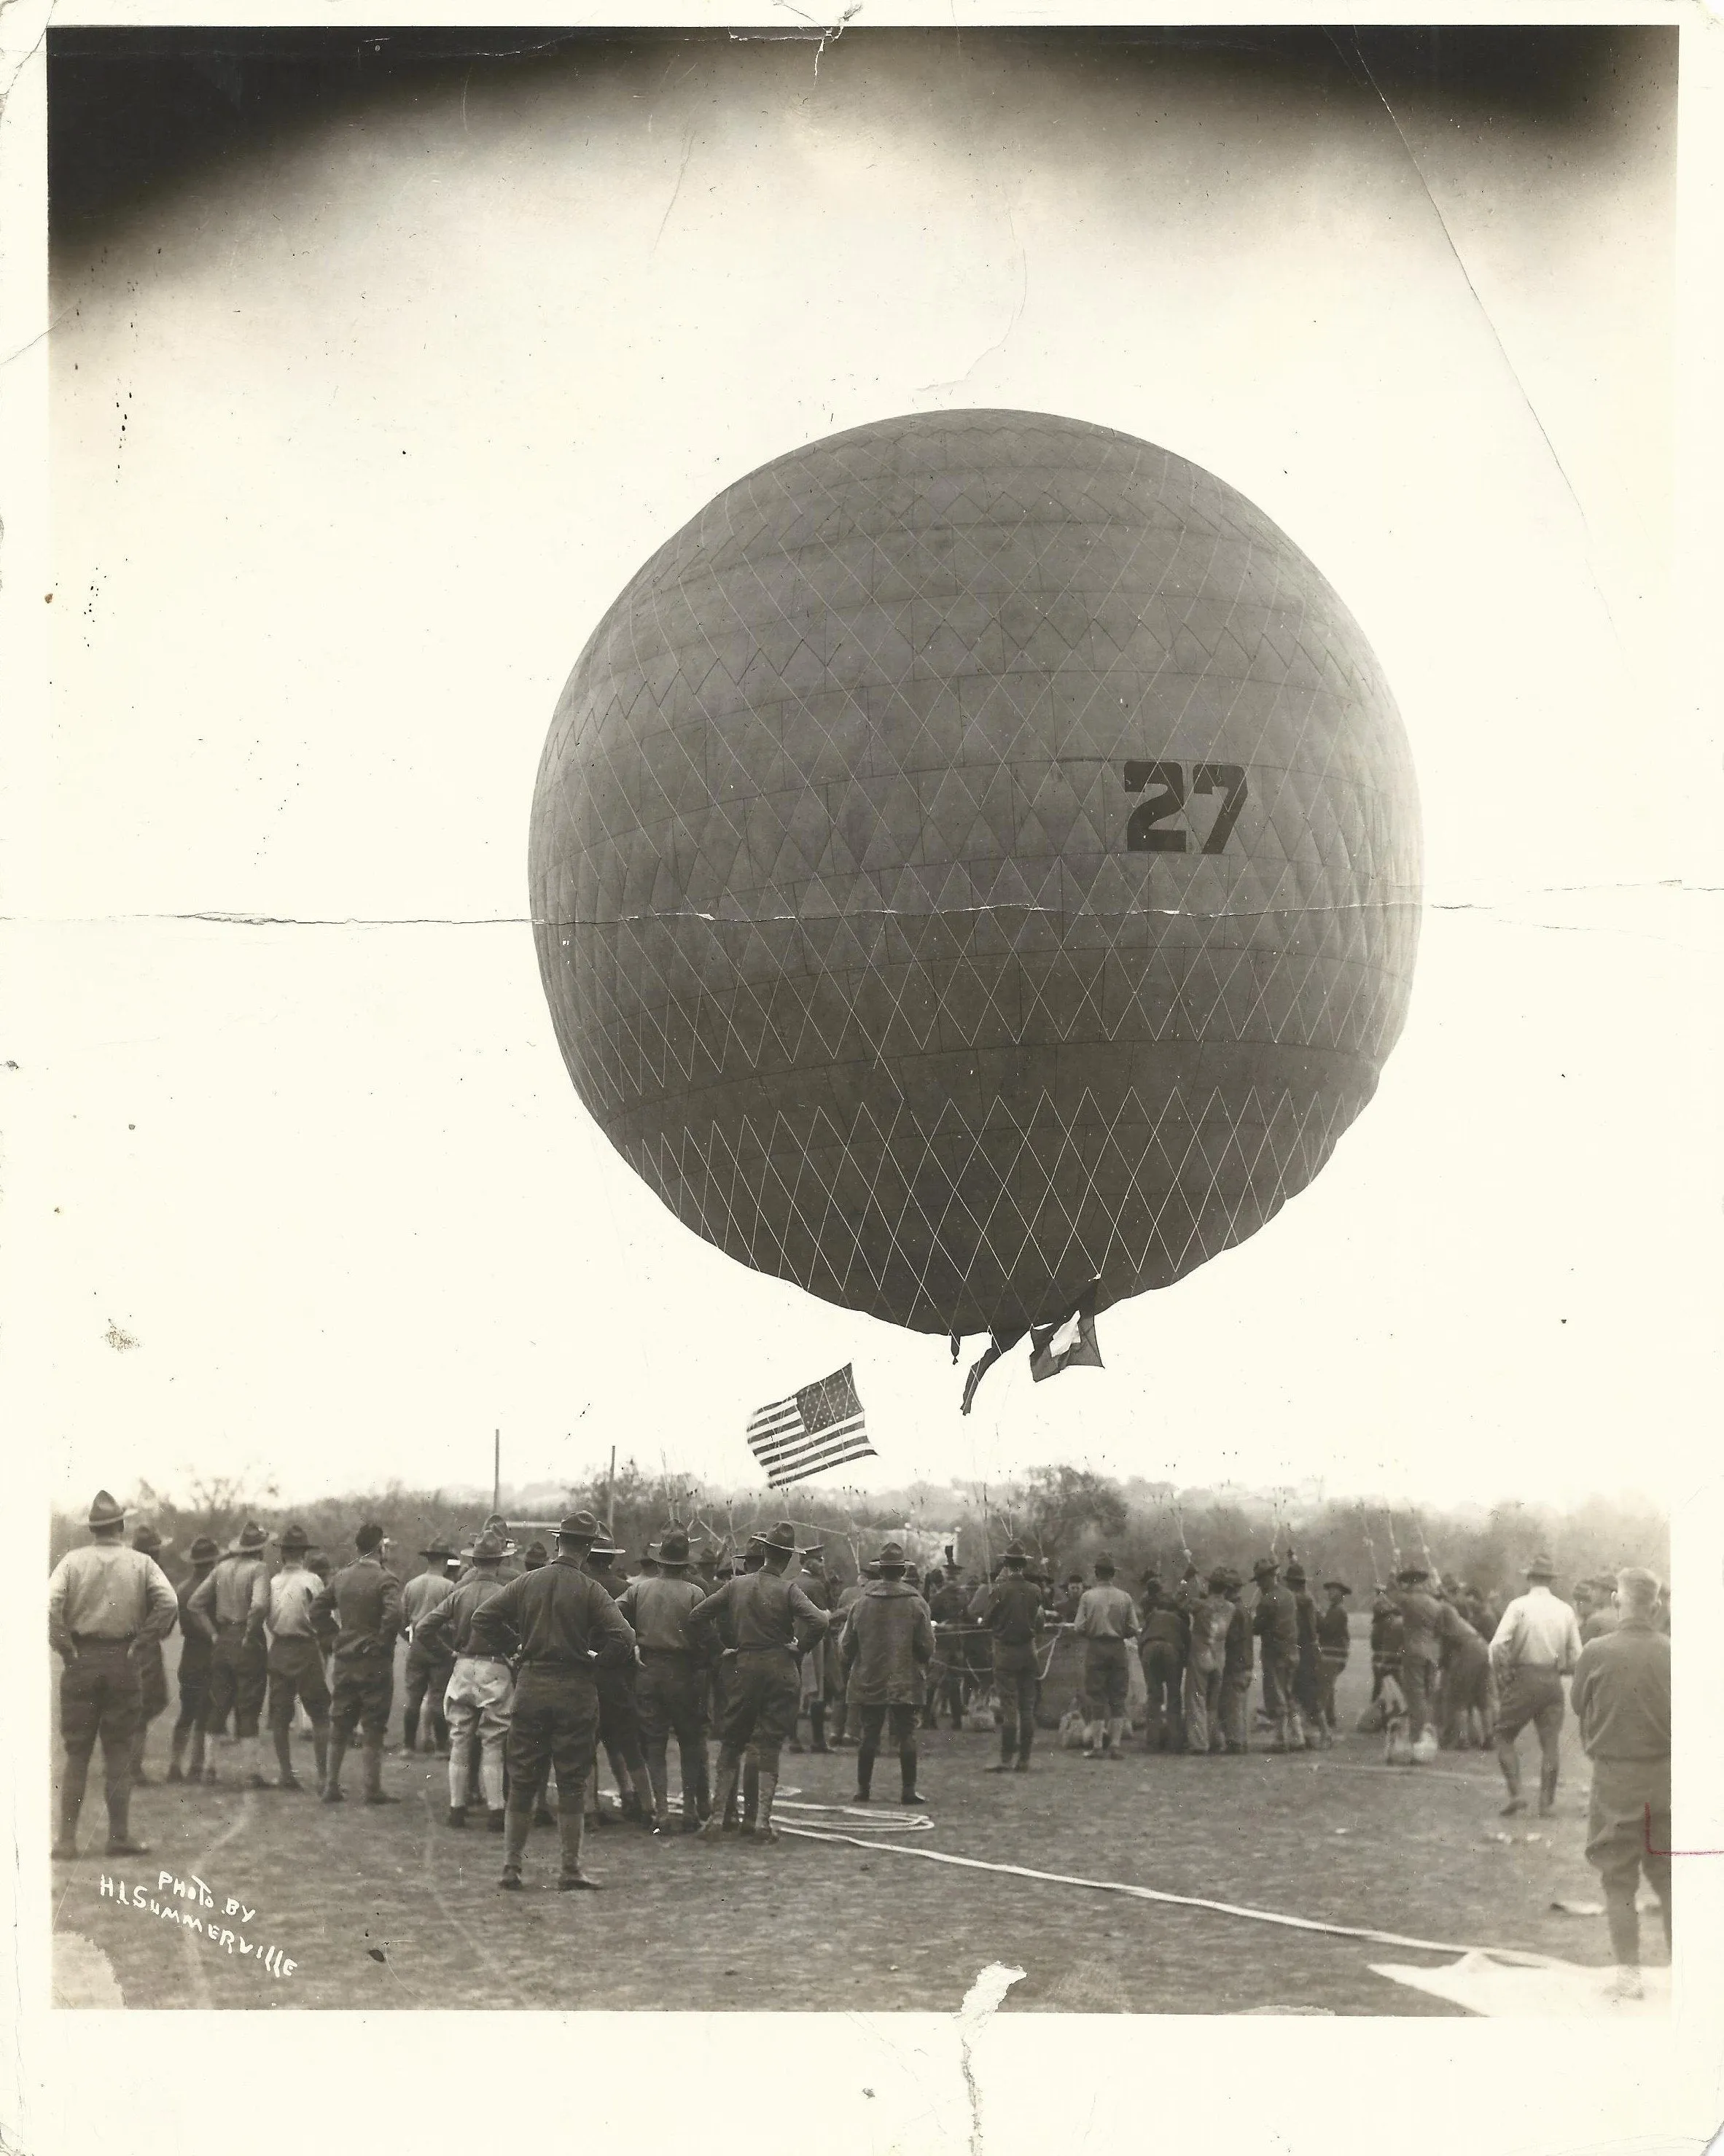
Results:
194 1961
1514 1954
862 1819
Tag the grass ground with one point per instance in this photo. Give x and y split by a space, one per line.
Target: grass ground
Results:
386 1907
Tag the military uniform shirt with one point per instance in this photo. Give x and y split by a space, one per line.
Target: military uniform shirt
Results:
1106 1613
236 1586
765 1609
1622 1693
1275 1621
560 1615
1334 1632
1011 1608
421 1594
1536 1632
105 1591
660 1611
450 1623
292 1592
365 1600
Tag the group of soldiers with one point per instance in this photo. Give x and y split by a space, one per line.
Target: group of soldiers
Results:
523 1664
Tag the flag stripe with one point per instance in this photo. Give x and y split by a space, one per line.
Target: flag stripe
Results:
803 1439
758 1431
781 1411
792 1454
861 1451
852 1434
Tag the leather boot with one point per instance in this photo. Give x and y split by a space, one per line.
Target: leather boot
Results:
176 1756
696 1785
195 1771
907 1775
517 1825
71 1804
332 1779
751 1792
659 1775
762 1829
140 1737
320 1752
284 1757
724 1796
375 1793
120 1840
817 1724
1546 1788
1510 1766
571 1818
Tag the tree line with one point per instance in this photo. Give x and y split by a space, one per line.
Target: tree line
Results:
1065 1515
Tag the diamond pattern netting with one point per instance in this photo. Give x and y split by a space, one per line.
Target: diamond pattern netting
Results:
845 946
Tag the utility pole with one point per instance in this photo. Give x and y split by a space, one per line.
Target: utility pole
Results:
496 1471
610 1498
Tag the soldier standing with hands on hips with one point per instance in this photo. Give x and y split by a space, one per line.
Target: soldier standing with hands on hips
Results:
107 1605
364 1599
565 1624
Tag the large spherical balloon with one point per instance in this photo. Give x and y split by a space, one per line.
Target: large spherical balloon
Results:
977 858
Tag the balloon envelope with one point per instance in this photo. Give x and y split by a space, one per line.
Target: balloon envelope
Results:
977 858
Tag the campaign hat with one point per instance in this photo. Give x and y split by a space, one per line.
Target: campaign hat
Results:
1103 1564
205 1550
1219 1580
294 1538
578 1527
1294 1574
437 1549
1266 1568
605 1547
1408 1573
1341 1585
489 1549
1540 1567
104 1513
674 1547
251 1539
892 1558
1014 1553
148 1540
780 1538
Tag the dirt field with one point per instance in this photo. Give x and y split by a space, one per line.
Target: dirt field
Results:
387 1907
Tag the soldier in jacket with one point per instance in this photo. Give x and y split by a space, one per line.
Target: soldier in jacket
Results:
238 1673
770 1617
1010 1608
363 1601
885 1647
1236 1668
1211 1620
197 1641
1307 1675
1274 1620
1161 1652
1334 1645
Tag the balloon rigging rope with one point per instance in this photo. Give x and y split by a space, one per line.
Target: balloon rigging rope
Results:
1514 1954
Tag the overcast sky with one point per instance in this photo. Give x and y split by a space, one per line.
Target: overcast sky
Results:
356 441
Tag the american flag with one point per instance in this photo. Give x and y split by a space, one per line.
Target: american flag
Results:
815 1428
